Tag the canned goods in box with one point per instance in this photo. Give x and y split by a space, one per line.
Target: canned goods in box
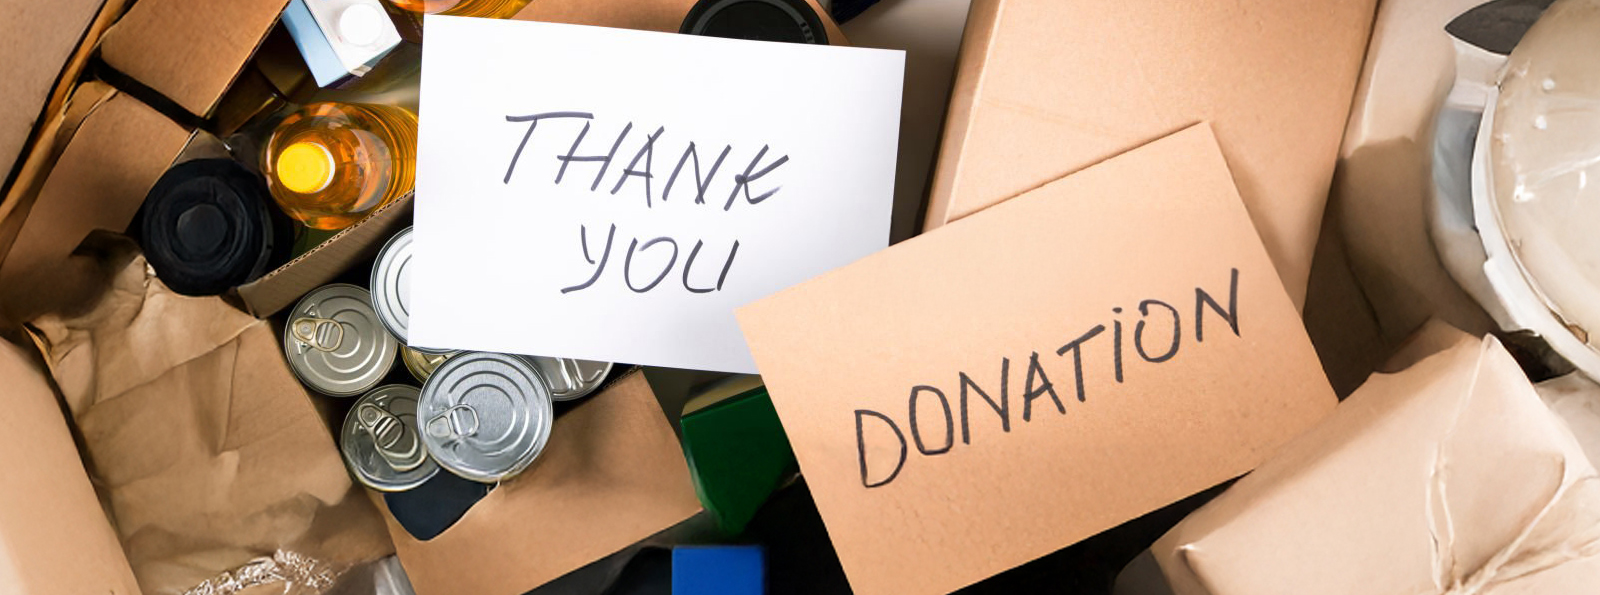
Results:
570 379
485 416
334 342
421 364
380 441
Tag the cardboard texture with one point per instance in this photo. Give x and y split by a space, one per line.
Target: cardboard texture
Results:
1450 477
1008 328
53 535
102 175
1047 88
284 285
1383 186
36 40
188 51
611 475
207 450
646 15
20 197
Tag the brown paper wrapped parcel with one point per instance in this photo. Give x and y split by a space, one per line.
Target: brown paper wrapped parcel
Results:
1451 477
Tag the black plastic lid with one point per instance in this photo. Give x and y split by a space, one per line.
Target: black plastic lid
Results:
790 21
208 226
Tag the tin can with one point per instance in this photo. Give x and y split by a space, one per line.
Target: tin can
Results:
421 363
335 343
570 379
391 283
380 442
485 416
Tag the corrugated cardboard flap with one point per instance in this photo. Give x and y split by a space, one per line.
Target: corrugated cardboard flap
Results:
281 287
611 474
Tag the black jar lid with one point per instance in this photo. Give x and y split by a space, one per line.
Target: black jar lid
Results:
790 21
208 226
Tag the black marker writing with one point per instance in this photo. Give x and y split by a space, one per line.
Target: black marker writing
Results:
762 165
1157 338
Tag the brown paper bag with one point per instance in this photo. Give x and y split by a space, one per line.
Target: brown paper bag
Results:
1451 477
207 452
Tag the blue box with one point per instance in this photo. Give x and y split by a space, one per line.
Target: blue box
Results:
719 570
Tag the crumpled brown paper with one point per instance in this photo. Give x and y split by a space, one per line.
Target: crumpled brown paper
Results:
208 454
1450 478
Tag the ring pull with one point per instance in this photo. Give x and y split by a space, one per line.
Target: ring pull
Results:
571 376
451 425
319 333
390 437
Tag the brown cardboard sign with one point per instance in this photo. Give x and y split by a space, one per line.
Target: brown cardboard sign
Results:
979 396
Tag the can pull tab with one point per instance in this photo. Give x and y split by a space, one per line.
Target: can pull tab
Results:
571 376
322 334
459 421
398 446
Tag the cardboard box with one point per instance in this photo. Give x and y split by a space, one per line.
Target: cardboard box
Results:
189 52
111 150
206 451
992 391
1449 477
1046 88
43 47
54 537
611 475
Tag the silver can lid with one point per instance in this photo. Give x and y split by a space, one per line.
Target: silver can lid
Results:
335 343
485 416
380 441
391 277
570 379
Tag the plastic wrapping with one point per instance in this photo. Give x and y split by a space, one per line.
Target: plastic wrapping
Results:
295 573
1514 205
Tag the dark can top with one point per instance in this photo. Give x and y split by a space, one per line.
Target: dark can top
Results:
208 226
790 21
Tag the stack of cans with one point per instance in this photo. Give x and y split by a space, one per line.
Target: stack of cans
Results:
481 416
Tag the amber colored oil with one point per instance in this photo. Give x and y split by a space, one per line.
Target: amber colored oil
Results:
497 9
372 159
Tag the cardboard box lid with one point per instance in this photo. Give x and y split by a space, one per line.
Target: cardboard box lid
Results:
104 171
284 285
987 393
189 51
54 538
1047 88
36 40
611 475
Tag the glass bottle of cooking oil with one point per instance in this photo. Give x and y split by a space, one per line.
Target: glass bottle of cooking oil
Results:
497 9
329 164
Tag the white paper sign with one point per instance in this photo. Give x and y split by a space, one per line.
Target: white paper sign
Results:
614 195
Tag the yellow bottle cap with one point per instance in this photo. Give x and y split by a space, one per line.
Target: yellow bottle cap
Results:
305 167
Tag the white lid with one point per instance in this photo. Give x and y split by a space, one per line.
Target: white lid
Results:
1541 215
362 24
